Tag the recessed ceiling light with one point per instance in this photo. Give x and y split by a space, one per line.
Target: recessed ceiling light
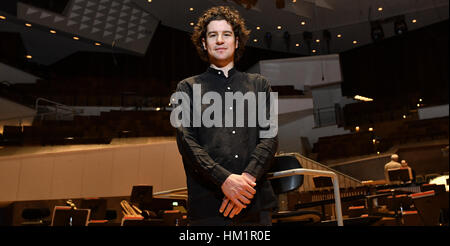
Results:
28 24
339 35
279 27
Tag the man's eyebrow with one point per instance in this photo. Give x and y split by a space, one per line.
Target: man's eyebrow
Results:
217 32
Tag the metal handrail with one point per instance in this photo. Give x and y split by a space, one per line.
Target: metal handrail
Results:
304 171
53 102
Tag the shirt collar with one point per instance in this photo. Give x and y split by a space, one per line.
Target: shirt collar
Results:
211 70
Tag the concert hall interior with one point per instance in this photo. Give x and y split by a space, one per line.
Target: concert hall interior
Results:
85 88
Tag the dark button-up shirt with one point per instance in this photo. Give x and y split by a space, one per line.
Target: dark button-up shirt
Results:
211 154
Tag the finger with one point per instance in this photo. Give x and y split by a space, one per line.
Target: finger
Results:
249 181
228 209
235 211
243 199
250 189
247 194
224 204
238 203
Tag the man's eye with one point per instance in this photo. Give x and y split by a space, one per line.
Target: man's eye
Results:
212 35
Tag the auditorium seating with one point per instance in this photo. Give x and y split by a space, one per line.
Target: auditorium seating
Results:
286 90
386 134
90 129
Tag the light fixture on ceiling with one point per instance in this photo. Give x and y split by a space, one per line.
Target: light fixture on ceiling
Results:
361 98
377 32
28 25
52 31
258 28
400 26
339 35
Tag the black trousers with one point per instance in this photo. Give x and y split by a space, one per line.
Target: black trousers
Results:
264 218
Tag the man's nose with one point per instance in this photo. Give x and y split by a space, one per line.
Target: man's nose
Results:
219 39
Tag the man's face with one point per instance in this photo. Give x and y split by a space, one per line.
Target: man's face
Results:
220 42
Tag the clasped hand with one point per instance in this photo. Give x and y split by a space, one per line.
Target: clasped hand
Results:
238 190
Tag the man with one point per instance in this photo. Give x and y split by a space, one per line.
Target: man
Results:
225 166
412 175
391 165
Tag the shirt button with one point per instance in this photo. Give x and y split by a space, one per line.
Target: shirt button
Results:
231 108
234 132
229 88
236 156
219 72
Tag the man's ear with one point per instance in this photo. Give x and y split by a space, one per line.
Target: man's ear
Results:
204 43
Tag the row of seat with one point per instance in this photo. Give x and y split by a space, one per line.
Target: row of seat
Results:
382 138
90 129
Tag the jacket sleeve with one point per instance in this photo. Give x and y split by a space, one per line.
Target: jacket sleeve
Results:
194 155
262 157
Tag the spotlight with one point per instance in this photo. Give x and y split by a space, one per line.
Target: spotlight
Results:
377 31
400 26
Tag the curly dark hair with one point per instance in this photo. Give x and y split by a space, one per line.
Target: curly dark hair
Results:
229 14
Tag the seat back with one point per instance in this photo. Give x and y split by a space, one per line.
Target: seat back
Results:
286 184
